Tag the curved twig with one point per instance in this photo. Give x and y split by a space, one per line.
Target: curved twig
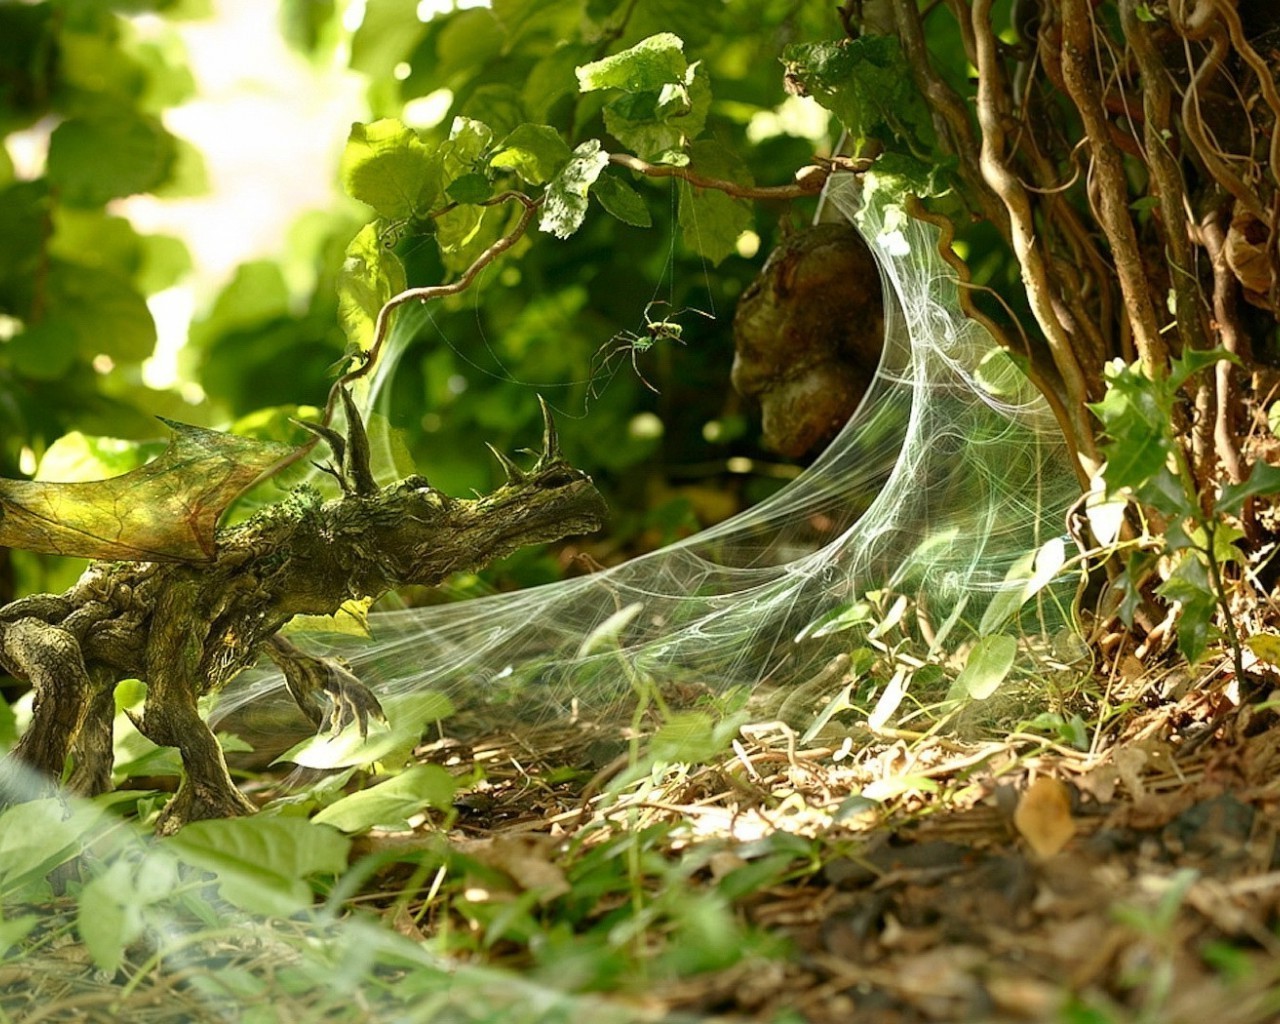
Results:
1031 261
1079 74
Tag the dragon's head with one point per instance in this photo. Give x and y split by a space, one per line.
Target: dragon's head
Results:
413 533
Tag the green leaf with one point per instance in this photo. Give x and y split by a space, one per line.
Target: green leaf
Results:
470 188
370 275
109 916
645 67
988 665
387 35
866 83
566 197
105 310
385 165
93 160
260 863
622 201
656 125
392 803
1262 479
46 350
536 152
1189 585
1192 361
692 737
710 220
166 510
37 836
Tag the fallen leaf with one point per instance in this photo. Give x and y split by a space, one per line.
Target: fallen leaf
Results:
1044 817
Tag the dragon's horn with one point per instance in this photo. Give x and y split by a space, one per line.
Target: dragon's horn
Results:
550 441
358 458
515 475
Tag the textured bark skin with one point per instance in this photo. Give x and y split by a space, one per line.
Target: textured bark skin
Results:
186 629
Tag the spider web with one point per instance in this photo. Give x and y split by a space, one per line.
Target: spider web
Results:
945 481
940 490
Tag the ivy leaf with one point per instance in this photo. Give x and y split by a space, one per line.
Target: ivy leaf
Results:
622 201
711 220
166 510
370 275
566 201
385 165
536 152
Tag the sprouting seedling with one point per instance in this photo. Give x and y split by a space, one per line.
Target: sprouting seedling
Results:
635 343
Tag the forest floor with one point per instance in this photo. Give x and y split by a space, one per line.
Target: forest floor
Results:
900 878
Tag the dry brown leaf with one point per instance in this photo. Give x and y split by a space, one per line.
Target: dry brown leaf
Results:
1044 817
525 859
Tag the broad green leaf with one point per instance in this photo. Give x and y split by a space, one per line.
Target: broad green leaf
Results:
37 836
392 803
470 188
370 275
566 197
645 67
607 635
93 160
536 152
106 311
657 125
261 863
385 165
388 33
621 200
550 19
692 737
1192 361
166 510
988 665
14 929
44 350
109 914
710 220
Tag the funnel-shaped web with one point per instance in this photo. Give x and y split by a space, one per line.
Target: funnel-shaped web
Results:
941 487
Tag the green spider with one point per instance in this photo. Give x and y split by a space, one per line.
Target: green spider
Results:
634 343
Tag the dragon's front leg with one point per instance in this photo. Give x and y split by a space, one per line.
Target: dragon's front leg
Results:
326 690
170 716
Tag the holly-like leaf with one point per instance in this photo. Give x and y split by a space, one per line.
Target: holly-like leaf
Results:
166 510
566 204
